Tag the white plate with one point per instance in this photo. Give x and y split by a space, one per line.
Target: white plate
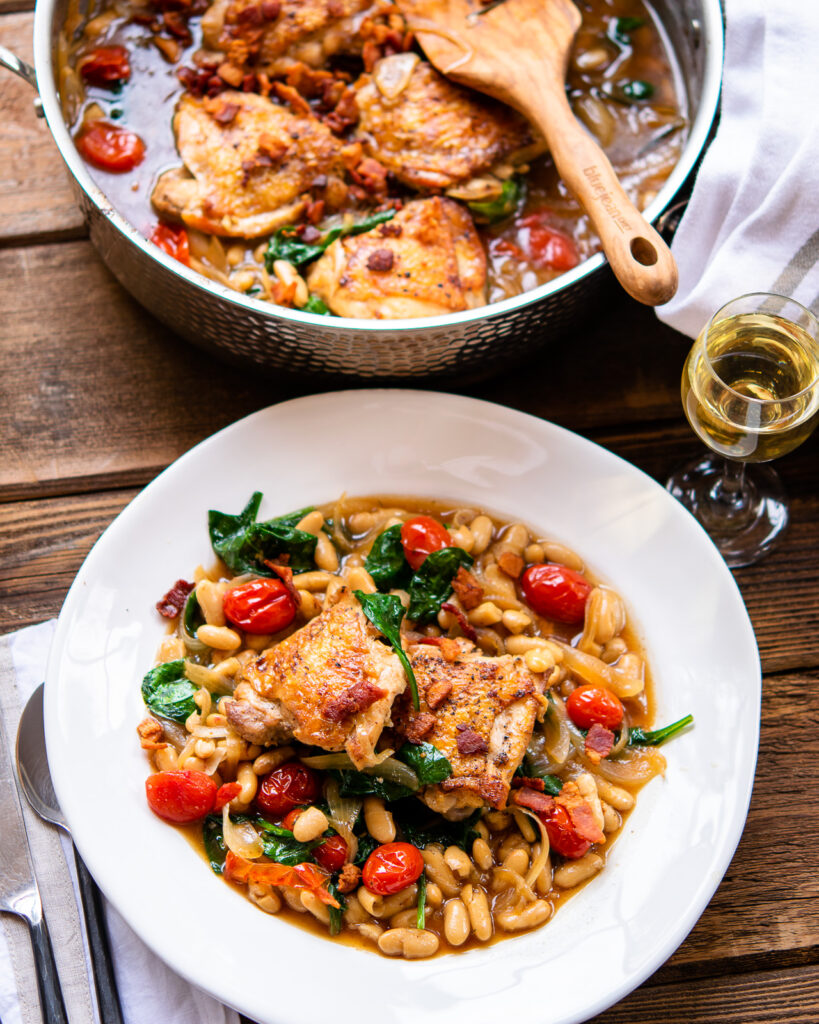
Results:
662 870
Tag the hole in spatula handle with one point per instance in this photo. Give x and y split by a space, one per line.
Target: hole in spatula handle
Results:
644 252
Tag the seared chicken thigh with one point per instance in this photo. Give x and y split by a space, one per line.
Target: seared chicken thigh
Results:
250 164
479 712
426 261
330 684
433 134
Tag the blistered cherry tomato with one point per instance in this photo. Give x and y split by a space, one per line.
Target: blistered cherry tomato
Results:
286 787
260 606
589 704
332 853
106 65
545 245
563 836
173 240
391 868
110 147
556 592
420 536
289 820
180 796
227 791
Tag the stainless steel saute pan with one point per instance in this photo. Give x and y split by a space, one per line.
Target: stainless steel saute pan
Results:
451 346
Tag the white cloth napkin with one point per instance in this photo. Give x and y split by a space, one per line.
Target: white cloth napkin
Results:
753 220
150 993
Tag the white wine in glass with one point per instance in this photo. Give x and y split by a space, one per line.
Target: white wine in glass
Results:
750 390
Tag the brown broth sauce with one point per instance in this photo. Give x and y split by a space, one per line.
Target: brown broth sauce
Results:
640 711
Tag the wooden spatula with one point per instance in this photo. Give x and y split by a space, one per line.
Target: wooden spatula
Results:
518 52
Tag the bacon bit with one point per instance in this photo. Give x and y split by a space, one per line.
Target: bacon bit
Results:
381 260
580 812
225 793
265 85
300 876
251 15
344 114
465 585
437 693
357 698
287 94
150 734
174 601
528 782
307 80
493 790
285 574
315 211
284 294
371 54
271 9
273 147
230 73
177 26
540 803
226 113
463 622
408 41
371 175
511 564
391 230
352 155
169 48
470 742
349 878
599 742
419 726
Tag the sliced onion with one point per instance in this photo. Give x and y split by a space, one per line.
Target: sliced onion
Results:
212 681
556 741
194 645
539 863
633 768
241 838
392 74
344 811
390 769
215 759
590 669
506 878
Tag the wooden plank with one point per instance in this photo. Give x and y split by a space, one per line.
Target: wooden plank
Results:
771 997
35 195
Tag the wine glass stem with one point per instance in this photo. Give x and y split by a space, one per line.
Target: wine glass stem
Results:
730 490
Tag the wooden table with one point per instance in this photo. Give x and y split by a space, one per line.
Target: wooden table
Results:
98 397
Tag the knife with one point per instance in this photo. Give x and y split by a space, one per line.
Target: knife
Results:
19 893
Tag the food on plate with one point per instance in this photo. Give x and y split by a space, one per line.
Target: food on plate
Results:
368 727
267 143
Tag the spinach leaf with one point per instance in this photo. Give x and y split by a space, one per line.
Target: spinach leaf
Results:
551 783
492 210
168 692
315 305
386 562
352 783
214 842
421 826
432 583
336 913
385 612
420 919
428 763
192 616
286 244
281 845
243 544
366 845
654 737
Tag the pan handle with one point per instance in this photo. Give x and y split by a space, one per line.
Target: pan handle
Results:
18 67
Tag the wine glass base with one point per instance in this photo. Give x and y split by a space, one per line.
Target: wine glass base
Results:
742 533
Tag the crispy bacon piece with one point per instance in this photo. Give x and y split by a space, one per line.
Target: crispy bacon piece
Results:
469 591
599 742
511 564
530 783
437 692
381 259
371 175
470 742
300 876
349 878
285 574
287 94
174 601
580 812
150 734
463 622
540 803
357 698
419 726
225 793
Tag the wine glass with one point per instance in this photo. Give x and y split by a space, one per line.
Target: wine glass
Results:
750 390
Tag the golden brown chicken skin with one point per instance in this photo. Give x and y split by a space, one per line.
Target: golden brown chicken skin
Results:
249 164
276 34
426 261
434 134
479 712
331 684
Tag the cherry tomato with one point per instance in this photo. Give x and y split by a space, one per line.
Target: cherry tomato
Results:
260 606
332 853
106 66
110 147
391 868
556 592
562 835
546 246
173 240
589 704
286 787
180 796
227 791
420 536
289 820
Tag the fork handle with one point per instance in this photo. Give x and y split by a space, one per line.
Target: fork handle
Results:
101 961
48 980
640 259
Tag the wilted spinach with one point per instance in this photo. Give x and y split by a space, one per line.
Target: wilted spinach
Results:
386 562
336 913
214 842
385 612
428 763
287 245
192 616
490 211
366 845
243 544
421 826
654 737
432 583
352 783
316 305
282 846
168 692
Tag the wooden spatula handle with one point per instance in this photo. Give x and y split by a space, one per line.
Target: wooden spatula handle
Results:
640 259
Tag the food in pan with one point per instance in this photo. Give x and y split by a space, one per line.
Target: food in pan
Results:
304 152
411 725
